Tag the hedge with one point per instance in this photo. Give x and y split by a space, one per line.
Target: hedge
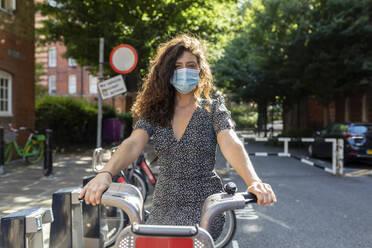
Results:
73 121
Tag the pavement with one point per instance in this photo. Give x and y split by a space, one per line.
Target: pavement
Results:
24 186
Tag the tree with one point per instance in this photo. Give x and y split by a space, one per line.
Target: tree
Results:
40 90
251 64
299 49
143 24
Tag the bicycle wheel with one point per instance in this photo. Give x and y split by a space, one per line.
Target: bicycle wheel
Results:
112 221
138 181
34 152
228 230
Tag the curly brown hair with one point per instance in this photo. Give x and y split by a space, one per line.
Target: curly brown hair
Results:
156 100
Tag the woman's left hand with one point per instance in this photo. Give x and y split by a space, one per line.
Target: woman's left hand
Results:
263 191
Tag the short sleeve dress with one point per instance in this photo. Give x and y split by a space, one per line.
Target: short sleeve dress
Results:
186 166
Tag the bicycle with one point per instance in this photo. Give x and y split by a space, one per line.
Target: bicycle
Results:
133 176
33 150
140 235
113 220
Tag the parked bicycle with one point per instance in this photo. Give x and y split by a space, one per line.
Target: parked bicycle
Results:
113 219
140 235
33 150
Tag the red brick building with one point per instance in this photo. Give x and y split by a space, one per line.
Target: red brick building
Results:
64 77
17 63
309 115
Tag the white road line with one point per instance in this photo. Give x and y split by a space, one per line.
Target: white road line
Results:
280 223
235 244
307 162
261 154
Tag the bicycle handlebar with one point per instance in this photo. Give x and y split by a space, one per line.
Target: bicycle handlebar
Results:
22 129
129 199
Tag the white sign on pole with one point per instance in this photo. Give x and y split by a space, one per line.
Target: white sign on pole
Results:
112 87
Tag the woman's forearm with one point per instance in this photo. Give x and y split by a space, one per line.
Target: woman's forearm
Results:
126 154
239 160
235 154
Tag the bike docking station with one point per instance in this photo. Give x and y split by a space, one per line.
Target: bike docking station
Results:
26 228
67 227
337 151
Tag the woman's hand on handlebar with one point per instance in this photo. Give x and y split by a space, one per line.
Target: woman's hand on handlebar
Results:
263 191
92 192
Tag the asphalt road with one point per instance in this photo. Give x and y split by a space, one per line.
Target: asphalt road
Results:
314 209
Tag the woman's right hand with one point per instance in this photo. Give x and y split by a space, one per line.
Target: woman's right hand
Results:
92 192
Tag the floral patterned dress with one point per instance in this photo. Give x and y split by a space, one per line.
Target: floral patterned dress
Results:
186 166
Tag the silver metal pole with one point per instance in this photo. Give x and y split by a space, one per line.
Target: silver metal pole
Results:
99 118
340 157
334 156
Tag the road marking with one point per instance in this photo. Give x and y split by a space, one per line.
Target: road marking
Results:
247 213
359 173
280 223
235 244
307 162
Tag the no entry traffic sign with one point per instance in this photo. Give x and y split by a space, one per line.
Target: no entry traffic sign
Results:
123 59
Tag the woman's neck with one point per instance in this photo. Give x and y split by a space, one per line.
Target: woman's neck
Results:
185 100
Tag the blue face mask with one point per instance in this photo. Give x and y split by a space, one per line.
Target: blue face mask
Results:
185 79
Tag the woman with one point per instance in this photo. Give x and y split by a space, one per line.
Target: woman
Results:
185 131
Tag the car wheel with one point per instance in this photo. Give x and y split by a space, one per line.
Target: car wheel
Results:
310 151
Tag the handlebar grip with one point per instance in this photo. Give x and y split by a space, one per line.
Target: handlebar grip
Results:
249 197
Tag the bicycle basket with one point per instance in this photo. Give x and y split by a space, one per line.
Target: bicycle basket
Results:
10 137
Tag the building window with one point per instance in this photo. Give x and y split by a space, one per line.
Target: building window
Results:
52 85
72 62
5 94
72 84
92 84
52 57
8 5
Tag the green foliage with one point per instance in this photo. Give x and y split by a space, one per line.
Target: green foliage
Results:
143 24
40 91
39 71
72 120
291 49
245 117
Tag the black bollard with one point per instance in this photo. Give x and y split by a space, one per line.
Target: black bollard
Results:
2 150
48 154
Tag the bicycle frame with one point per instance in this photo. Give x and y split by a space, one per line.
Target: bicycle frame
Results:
22 152
129 199
145 169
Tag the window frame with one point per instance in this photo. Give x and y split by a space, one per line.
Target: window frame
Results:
70 86
72 62
49 85
50 64
9 112
91 78
11 8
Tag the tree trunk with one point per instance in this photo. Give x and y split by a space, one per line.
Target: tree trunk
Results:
262 117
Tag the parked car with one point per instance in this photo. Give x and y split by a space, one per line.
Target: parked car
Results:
357 141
